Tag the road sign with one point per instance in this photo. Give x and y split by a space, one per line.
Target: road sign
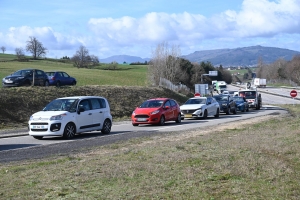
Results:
248 85
293 93
197 95
213 73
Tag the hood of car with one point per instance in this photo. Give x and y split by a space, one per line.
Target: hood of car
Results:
46 115
145 110
191 106
13 77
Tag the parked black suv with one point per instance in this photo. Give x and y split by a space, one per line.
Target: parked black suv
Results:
227 104
24 77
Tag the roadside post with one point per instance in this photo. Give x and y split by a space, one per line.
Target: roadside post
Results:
293 94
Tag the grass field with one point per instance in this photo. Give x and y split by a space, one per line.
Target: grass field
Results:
125 75
249 161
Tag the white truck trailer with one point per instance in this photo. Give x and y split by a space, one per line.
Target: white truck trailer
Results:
260 82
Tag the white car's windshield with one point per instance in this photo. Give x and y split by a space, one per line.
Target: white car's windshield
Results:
195 101
62 105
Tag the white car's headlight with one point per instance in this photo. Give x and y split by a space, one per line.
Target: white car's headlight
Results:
57 117
155 112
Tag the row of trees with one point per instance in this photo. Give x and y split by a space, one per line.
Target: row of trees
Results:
280 71
166 63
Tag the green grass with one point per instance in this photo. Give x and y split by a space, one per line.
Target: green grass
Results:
248 162
125 75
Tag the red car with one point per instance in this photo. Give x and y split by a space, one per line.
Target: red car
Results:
156 111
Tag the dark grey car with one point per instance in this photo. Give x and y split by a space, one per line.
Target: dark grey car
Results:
24 77
227 104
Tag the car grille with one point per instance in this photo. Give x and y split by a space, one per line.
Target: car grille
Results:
141 116
188 111
39 130
39 123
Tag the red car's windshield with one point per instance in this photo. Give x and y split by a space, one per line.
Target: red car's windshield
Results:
152 104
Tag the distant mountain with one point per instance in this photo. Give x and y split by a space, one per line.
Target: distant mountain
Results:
124 58
245 56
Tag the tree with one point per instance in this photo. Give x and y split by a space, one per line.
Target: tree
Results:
3 49
164 63
35 47
20 53
82 59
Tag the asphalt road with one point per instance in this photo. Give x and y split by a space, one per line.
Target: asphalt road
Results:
25 147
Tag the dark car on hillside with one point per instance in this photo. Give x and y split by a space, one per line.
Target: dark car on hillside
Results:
24 77
59 78
227 104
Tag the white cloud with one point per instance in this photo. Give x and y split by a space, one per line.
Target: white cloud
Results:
259 22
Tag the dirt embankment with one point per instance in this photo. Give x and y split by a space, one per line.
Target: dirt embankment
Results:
17 104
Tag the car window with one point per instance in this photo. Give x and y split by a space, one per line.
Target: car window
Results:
95 104
59 74
151 104
102 103
85 104
208 100
173 103
195 101
50 73
167 104
65 74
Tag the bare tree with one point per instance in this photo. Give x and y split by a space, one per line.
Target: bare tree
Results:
35 47
82 59
3 49
20 53
165 63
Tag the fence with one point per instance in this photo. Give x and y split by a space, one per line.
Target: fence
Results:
178 88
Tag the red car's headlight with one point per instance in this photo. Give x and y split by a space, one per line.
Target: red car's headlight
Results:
155 112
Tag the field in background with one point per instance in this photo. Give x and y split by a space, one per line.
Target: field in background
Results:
124 75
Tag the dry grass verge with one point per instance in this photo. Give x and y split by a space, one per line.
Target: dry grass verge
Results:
247 160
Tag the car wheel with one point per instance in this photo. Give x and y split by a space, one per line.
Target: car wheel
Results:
205 114
38 137
27 83
244 109
106 127
234 110
46 84
135 124
228 111
178 120
57 84
70 131
247 109
162 120
217 113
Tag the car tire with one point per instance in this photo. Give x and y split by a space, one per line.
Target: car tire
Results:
244 109
38 137
46 84
228 111
57 84
178 120
205 114
69 131
217 115
135 124
247 109
106 127
161 120
234 111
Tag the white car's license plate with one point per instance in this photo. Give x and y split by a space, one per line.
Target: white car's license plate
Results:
141 119
38 127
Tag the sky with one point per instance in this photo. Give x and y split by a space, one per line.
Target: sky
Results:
135 27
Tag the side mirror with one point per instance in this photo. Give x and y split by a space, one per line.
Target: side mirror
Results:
80 110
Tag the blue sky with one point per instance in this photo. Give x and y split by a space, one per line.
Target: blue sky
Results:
136 27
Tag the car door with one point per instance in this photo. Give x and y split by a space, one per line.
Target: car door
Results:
97 112
210 108
168 112
174 109
66 78
85 118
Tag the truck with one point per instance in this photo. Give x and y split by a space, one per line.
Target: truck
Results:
259 82
221 86
253 97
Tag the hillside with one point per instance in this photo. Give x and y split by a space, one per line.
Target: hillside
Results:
17 104
124 58
245 56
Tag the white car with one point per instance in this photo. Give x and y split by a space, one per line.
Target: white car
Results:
70 115
200 107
